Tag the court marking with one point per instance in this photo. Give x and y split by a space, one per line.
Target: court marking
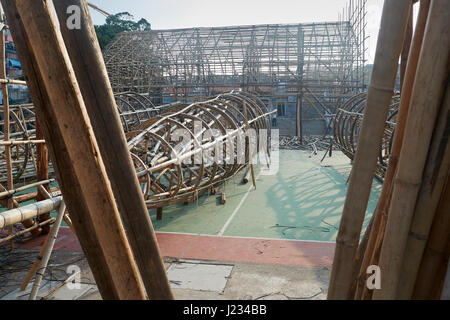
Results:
225 227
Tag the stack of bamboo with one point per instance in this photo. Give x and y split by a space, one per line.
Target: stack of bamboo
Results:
409 235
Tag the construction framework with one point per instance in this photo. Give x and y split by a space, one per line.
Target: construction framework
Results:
303 70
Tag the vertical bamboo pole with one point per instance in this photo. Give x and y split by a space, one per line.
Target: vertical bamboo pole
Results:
396 147
390 41
436 252
42 170
47 252
6 122
87 60
247 127
73 147
406 48
435 176
428 91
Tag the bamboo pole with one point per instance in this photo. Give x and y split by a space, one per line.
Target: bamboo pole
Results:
20 143
87 60
429 86
252 168
60 285
16 204
390 40
66 129
6 120
9 193
32 196
20 233
66 218
435 176
35 265
11 81
41 170
396 147
435 253
406 48
48 251
30 211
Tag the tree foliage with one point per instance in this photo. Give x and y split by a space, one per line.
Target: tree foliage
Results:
118 23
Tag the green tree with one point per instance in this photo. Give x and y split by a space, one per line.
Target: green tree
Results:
118 23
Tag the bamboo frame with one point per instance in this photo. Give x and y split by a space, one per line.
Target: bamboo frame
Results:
437 250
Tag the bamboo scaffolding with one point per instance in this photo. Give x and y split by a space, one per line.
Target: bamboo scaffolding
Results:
6 119
16 143
392 33
162 166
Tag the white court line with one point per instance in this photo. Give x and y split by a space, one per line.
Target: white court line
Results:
237 209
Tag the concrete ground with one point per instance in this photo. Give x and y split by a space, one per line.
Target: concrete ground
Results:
239 281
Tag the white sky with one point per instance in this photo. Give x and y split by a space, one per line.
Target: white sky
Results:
172 14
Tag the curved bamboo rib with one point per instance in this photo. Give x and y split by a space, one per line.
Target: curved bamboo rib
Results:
171 172
347 127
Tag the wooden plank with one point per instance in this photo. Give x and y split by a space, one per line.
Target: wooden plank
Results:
73 147
87 61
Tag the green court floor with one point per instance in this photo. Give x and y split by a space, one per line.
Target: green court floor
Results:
303 201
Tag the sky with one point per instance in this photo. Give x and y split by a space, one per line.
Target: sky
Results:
173 14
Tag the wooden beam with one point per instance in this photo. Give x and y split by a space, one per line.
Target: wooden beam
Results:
73 148
87 61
